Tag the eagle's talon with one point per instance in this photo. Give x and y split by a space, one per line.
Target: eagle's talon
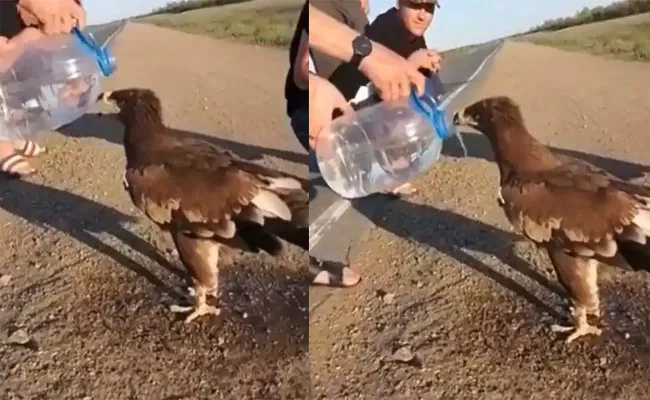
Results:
583 331
201 310
180 309
561 328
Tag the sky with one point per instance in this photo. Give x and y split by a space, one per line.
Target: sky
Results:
461 22
456 23
99 11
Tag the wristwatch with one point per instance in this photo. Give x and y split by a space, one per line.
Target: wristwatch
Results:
361 48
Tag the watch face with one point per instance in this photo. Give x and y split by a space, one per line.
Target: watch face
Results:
362 46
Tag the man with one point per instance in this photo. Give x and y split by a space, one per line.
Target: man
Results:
392 75
296 92
401 29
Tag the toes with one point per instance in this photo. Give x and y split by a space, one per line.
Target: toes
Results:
561 328
179 309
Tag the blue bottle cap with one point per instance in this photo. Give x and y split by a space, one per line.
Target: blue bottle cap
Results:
428 107
101 54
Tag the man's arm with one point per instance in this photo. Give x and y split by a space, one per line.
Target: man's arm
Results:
301 66
330 36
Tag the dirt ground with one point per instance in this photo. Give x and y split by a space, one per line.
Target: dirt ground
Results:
87 282
451 290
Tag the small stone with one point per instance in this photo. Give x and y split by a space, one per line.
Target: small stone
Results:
4 279
403 354
602 361
627 335
19 337
420 285
388 298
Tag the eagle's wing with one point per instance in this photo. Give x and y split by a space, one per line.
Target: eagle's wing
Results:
578 209
198 189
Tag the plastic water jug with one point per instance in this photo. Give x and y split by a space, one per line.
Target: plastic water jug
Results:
52 82
382 146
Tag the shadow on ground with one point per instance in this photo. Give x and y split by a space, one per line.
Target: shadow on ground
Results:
257 348
106 128
453 234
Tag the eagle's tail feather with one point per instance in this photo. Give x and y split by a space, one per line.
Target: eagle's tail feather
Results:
257 238
636 255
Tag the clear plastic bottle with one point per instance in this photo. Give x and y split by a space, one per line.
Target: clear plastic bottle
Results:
52 82
382 146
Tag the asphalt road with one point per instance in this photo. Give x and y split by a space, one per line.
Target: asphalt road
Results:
336 223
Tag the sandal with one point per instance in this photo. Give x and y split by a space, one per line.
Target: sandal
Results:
333 274
31 149
16 166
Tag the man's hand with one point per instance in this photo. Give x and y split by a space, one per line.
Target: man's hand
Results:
390 73
427 59
52 16
324 98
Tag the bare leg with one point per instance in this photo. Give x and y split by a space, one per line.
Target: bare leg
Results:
201 306
581 325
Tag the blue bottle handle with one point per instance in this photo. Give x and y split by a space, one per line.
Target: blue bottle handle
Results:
101 54
433 113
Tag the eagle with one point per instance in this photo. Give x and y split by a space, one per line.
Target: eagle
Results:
203 196
580 215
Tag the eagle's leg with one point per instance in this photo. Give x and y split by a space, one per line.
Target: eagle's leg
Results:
200 256
579 276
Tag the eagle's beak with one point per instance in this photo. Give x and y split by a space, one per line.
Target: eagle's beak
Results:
105 98
113 109
460 118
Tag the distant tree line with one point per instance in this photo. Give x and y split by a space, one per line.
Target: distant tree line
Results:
588 15
180 6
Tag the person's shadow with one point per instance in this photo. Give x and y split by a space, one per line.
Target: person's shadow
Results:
479 147
107 128
452 234
82 219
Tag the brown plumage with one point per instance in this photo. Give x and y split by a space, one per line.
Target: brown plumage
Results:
203 196
579 214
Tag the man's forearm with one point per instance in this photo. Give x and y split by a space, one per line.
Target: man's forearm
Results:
329 36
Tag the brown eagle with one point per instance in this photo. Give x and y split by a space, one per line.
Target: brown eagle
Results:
580 215
203 196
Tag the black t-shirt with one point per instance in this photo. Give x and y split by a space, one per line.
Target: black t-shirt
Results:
296 98
10 22
386 29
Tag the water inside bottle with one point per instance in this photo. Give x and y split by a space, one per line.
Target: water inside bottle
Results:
48 106
360 169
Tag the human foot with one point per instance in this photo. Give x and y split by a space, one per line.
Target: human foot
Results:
12 163
330 273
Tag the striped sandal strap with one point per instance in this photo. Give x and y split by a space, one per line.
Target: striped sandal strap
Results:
32 149
16 165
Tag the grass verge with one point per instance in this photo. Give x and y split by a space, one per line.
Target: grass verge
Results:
261 22
625 38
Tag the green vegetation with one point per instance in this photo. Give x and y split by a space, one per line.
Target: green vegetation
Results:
587 15
177 7
262 22
624 38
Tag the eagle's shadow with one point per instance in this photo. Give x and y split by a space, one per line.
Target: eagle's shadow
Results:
109 129
479 147
452 234
82 219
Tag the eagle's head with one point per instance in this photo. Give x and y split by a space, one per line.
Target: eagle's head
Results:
491 115
133 103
